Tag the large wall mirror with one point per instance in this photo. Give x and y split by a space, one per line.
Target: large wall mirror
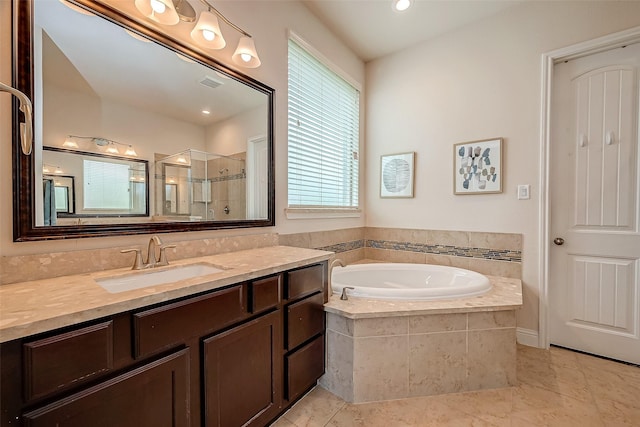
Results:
188 141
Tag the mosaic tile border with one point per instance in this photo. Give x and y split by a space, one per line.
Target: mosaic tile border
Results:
344 246
459 251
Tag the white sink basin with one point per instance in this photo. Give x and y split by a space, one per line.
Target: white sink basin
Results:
145 278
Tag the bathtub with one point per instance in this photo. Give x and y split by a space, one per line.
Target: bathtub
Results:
395 281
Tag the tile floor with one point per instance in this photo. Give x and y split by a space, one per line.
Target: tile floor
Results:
557 388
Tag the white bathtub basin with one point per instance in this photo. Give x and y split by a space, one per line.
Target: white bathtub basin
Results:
395 281
145 278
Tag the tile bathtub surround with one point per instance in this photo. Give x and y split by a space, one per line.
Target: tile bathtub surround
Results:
497 254
348 244
14 269
376 359
555 387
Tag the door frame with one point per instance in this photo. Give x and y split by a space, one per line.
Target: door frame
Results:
549 59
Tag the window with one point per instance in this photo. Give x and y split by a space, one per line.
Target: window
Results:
324 115
106 185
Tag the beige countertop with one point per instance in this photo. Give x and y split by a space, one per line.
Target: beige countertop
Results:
505 294
37 306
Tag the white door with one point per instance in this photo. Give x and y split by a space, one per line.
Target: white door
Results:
594 299
257 178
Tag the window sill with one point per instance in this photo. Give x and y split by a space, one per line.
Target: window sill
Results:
322 213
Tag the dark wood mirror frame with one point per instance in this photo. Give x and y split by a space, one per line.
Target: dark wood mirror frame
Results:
24 228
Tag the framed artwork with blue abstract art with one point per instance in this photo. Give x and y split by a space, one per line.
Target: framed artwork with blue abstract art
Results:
396 175
477 167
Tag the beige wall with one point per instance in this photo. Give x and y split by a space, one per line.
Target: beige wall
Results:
481 81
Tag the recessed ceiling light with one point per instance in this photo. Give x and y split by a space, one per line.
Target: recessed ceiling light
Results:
401 5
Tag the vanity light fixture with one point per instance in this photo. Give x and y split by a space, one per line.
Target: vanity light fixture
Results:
206 33
401 5
112 146
70 143
46 169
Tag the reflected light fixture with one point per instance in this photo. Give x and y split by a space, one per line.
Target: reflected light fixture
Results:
47 168
401 5
160 11
206 33
112 146
70 143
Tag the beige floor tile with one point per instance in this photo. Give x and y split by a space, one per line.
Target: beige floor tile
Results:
614 384
425 412
556 388
315 409
618 414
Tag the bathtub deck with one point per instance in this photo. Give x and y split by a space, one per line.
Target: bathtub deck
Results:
506 294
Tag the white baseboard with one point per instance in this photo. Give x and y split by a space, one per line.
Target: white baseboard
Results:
527 337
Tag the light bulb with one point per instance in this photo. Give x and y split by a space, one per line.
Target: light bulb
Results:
130 151
245 57
45 169
158 6
402 5
208 35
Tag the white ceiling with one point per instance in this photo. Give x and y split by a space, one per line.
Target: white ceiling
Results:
90 54
372 28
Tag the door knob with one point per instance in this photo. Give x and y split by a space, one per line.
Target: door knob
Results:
558 241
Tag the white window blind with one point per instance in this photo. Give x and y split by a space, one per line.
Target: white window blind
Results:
323 135
106 185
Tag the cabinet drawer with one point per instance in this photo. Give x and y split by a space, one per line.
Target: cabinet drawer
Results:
164 327
265 293
304 367
155 394
55 363
305 281
304 320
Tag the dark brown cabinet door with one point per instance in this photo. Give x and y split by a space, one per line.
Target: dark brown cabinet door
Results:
156 394
243 374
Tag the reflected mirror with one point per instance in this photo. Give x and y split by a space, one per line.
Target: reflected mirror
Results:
148 135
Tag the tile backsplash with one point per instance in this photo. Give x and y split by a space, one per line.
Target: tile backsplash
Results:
22 268
498 254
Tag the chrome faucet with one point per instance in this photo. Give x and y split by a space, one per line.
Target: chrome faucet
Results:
155 257
152 256
339 262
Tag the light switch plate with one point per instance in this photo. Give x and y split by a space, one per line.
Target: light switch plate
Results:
523 192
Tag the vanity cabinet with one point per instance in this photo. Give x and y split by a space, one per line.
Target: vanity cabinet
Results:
242 374
155 394
306 293
234 356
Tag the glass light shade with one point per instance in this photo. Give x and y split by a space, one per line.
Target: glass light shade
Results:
168 17
112 149
130 151
207 32
245 54
68 143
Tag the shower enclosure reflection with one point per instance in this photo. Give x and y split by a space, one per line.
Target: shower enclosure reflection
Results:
195 185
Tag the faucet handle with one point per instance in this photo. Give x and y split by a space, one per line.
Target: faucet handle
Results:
163 255
137 262
344 295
